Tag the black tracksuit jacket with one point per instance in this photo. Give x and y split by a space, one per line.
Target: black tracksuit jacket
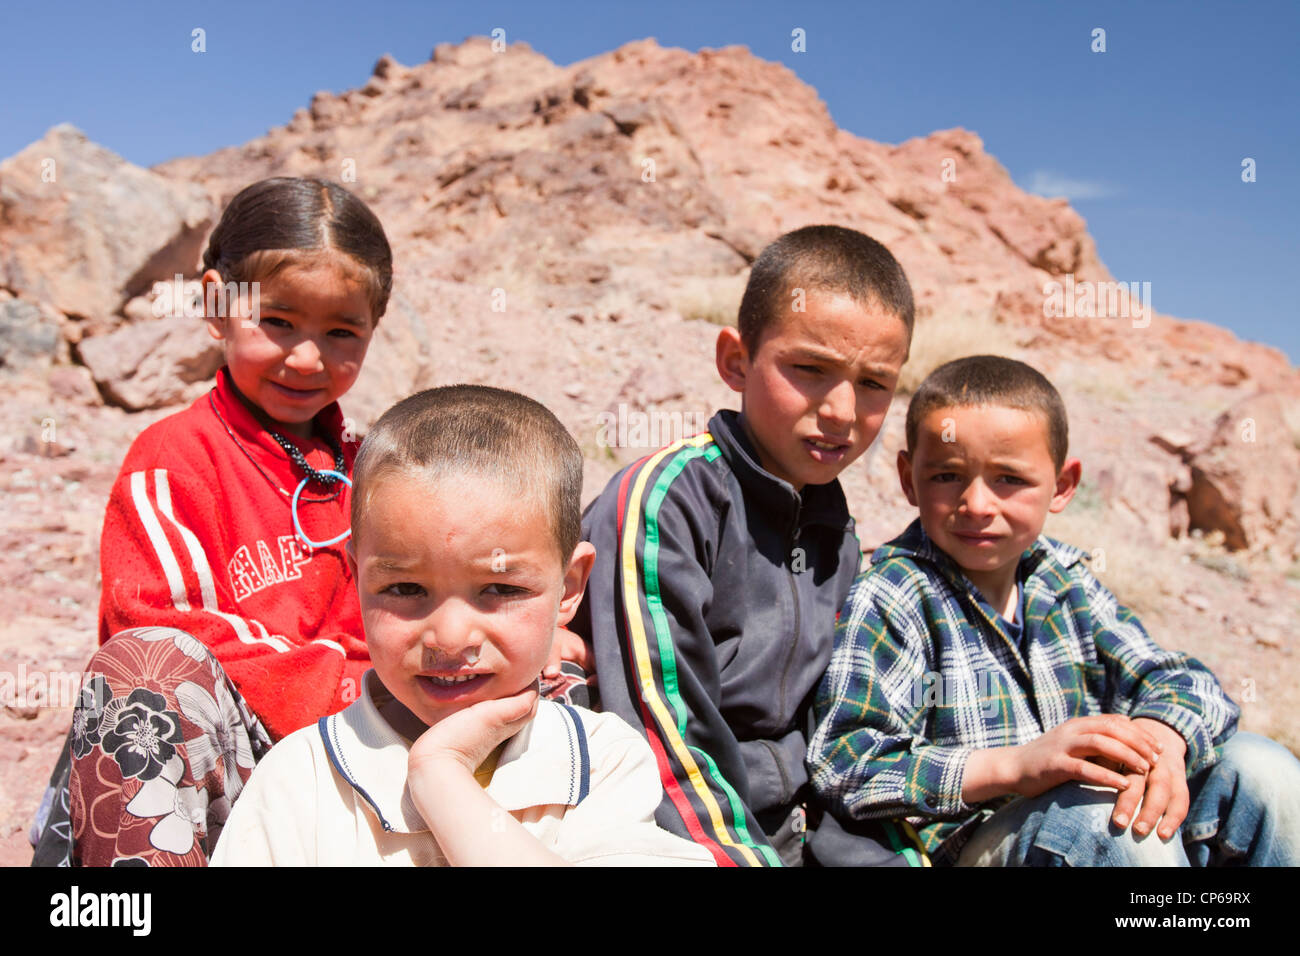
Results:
711 610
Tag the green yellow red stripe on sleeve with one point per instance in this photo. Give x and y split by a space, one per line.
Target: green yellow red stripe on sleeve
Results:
661 696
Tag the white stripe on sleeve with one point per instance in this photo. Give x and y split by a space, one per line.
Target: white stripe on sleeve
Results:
203 570
171 569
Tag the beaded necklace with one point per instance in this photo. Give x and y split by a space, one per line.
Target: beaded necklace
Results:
328 479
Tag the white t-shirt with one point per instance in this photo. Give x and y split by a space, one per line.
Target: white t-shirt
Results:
335 794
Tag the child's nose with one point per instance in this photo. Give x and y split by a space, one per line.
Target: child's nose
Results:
978 499
839 404
451 636
305 357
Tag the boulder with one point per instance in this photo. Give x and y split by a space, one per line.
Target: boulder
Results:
27 333
1140 489
1244 479
153 364
74 383
85 230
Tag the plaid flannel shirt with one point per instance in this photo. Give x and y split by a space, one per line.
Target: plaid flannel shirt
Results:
924 673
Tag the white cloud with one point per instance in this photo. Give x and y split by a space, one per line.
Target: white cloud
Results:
1043 182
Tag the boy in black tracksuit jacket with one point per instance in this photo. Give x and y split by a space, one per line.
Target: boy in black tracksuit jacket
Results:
723 559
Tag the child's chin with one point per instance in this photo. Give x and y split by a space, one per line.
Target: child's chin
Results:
826 472
292 419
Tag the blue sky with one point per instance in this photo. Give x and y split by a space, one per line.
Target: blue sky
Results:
1146 139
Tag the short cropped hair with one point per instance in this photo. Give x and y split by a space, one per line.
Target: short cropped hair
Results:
500 434
980 380
827 259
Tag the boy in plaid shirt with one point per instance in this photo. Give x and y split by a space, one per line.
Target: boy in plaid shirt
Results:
986 686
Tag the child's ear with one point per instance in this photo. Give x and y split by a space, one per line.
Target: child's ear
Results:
1067 483
732 358
575 580
905 476
216 323
351 553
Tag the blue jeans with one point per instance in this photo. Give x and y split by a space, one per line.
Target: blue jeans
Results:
1244 810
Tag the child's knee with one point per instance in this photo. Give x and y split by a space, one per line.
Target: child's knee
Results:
1077 828
164 644
1248 804
1068 826
151 661
1269 769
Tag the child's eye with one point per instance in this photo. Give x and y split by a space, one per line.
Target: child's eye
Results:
809 369
274 321
871 383
1014 480
404 589
504 590
944 477
343 333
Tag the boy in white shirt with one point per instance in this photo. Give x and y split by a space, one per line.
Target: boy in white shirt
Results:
466 523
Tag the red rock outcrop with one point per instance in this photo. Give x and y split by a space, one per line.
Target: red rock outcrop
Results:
84 230
1244 480
576 233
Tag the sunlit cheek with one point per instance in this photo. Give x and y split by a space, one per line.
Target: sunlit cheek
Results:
1021 496
526 630
345 362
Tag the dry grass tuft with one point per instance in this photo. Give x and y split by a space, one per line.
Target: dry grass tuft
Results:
946 336
714 299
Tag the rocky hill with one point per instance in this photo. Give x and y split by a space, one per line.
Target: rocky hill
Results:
578 233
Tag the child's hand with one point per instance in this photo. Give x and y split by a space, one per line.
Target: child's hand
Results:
568 646
1069 751
468 736
1162 792
471 828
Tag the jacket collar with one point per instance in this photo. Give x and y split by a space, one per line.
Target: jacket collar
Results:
1043 573
531 771
817 504
1046 558
252 436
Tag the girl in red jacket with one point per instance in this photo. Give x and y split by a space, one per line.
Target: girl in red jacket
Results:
228 617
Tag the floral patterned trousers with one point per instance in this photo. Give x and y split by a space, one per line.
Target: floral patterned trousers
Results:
160 746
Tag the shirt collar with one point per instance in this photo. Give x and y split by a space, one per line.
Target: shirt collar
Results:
817 504
545 763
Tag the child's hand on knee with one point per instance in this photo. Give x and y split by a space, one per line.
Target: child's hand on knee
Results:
1162 792
1093 750
1070 750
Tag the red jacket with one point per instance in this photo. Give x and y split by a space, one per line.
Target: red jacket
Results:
198 536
